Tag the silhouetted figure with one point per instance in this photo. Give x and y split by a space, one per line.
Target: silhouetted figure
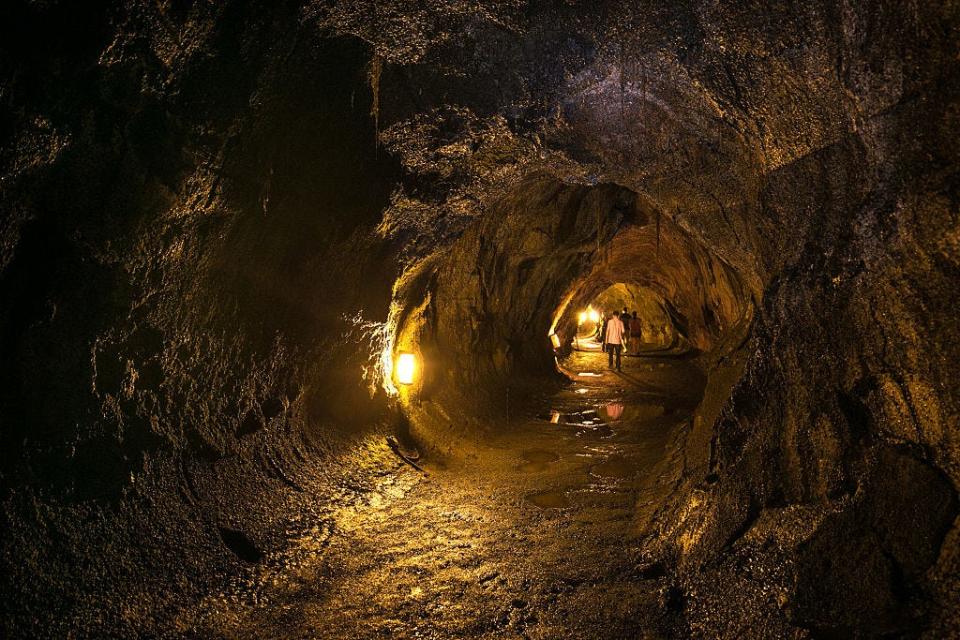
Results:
636 332
601 329
613 339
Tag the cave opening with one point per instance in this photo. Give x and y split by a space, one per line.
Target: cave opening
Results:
553 255
302 303
647 321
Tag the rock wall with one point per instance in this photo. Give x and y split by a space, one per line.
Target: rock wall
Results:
207 211
189 273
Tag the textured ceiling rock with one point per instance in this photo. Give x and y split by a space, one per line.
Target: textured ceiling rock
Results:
207 209
804 145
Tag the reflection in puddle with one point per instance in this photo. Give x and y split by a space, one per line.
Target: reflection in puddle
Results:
619 411
608 413
589 374
549 499
586 418
613 410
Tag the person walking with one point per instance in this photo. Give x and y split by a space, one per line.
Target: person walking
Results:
625 339
613 339
636 332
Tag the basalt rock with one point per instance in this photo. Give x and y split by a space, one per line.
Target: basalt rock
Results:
217 218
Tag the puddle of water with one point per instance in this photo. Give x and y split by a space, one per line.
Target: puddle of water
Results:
586 418
619 411
606 414
549 499
602 431
535 460
613 410
613 468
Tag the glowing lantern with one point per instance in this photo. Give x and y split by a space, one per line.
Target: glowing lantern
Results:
555 340
406 368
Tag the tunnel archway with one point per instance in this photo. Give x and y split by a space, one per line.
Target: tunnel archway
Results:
224 223
477 314
655 328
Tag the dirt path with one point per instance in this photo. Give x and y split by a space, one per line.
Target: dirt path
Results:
537 539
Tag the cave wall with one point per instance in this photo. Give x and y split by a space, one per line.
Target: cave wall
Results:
194 199
189 273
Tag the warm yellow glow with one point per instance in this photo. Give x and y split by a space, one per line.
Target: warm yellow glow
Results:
593 315
555 340
560 310
582 317
406 368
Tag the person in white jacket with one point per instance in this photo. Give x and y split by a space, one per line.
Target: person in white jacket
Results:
613 339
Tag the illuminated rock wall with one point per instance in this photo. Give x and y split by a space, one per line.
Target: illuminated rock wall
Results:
207 211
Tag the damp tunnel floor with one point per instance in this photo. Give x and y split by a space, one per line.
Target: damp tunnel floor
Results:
284 285
536 535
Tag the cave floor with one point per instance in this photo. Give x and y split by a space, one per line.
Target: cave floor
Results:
536 537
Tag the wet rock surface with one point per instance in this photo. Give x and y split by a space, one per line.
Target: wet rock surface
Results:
537 537
215 220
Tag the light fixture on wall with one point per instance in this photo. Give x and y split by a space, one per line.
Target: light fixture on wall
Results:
406 370
555 340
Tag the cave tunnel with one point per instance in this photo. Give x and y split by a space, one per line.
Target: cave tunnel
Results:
302 307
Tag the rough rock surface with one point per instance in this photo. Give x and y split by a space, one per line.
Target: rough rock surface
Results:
215 216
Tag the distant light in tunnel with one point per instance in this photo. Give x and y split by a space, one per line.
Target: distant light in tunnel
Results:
406 368
582 317
593 314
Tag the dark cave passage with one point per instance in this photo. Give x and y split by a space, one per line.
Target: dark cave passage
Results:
299 308
652 323
540 256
